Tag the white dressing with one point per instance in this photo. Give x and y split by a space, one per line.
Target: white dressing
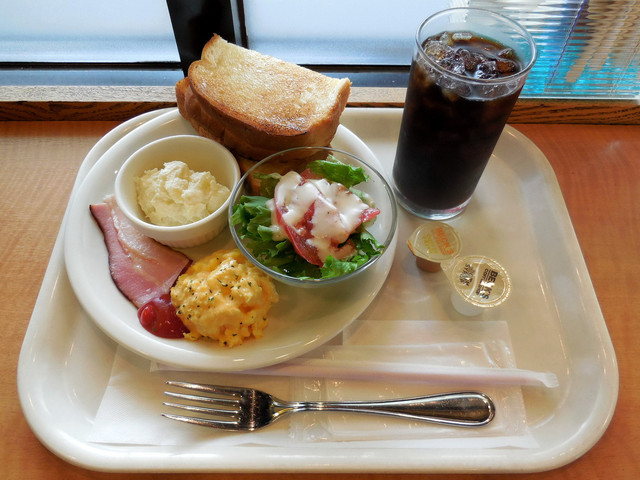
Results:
336 212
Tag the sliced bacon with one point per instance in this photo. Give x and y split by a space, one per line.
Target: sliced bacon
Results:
141 268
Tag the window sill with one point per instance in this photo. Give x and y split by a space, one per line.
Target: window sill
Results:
118 103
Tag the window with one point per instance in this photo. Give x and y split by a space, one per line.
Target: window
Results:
88 42
587 48
338 32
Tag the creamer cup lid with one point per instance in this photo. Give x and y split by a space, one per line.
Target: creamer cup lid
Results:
433 243
479 280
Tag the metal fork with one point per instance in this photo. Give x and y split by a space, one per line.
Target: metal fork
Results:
237 408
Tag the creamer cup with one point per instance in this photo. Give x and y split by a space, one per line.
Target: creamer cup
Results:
478 282
433 243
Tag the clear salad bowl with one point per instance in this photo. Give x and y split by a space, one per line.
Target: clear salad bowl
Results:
376 192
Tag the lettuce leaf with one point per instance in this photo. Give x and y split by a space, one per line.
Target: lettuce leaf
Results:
336 171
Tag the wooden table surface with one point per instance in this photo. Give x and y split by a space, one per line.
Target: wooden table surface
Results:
598 167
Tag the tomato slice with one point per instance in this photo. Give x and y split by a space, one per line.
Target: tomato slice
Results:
300 234
307 202
368 214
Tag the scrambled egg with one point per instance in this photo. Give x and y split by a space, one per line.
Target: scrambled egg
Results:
224 297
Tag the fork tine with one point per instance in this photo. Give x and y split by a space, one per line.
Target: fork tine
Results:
206 388
226 398
228 402
205 422
199 409
215 408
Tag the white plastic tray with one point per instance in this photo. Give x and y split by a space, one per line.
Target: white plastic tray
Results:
517 216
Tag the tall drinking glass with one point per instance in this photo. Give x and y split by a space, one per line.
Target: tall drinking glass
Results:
468 69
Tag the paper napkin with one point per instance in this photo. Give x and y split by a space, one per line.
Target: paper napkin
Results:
131 408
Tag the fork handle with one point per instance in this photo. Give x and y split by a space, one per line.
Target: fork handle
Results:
460 409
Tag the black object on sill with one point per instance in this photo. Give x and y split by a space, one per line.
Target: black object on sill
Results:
194 22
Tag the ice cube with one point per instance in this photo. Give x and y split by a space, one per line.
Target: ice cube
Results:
444 56
436 50
506 66
446 39
471 60
462 36
454 63
487 69
508 53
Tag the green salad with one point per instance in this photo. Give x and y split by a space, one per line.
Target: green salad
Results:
252 219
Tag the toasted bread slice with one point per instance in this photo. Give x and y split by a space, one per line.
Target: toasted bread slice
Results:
191 110
206 125
265 102
246 155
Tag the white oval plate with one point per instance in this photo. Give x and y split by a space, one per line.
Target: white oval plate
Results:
302 320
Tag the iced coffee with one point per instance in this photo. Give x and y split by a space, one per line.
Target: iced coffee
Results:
463 85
